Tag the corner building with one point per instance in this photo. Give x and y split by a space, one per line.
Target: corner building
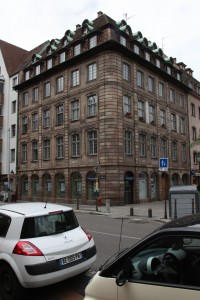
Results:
97 110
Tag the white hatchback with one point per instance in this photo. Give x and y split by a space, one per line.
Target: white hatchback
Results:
40 244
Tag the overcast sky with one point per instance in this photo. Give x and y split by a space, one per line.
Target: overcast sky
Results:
173 25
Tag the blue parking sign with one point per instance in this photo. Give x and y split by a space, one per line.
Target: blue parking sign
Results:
163 164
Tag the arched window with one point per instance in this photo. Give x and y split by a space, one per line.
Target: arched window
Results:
154 185
35 186
76 185
46 185
24 185
60 186
174 179
142 186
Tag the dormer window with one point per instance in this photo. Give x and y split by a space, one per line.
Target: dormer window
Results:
93 42
49 63
136 49
77 49
27 75
147 56
158 63
37 70
178 76
169 70
62 57
123 40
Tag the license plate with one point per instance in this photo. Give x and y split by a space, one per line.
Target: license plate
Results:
71 258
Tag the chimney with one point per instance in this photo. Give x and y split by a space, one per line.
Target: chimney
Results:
99 14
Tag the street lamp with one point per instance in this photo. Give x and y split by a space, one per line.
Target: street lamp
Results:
198 160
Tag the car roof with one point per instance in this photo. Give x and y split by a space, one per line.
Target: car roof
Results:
192 220
33 208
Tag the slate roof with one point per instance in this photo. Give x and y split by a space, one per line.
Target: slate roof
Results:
12 56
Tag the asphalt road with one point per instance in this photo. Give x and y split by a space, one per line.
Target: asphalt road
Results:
110 235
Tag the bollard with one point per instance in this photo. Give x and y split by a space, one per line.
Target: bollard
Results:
131 211
108 205
150 213
175 209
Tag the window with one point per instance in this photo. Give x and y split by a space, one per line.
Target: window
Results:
169 70
62 57
12 155
181 101
92 42
75 145
162 117
147 56
158 63
92 142
92 71
163 148
25 99
59 114
194 133
49 63
75 78
46 149
140 79
34 121
172 96
192 109
37 70
153 146
47 89
35 94
127 104
150 84
59 148
152 114
24 153
77 49
46 118
126 72
27 75
13 130
142 145
161 89
184 153
24 124
92 105
75 110
14 81
136 49
14 105
34 150
123 40
183 125
141 111
159 253
59 84
174 151
128 142
173 122
178 76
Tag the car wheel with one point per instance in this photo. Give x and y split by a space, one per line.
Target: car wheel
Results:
10 288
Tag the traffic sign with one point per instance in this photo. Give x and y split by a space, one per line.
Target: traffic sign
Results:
163 164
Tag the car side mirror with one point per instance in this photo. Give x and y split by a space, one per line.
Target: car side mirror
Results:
121 278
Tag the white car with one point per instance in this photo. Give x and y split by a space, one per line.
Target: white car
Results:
164 265
40 244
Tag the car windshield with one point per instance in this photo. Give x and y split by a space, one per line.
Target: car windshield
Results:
49 224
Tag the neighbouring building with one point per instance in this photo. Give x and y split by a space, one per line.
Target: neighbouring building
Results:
10 57
97 110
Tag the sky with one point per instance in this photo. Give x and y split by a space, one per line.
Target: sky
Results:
173 25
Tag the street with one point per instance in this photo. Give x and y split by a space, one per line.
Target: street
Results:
106 232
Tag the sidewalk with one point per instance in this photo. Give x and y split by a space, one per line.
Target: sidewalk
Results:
155 210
